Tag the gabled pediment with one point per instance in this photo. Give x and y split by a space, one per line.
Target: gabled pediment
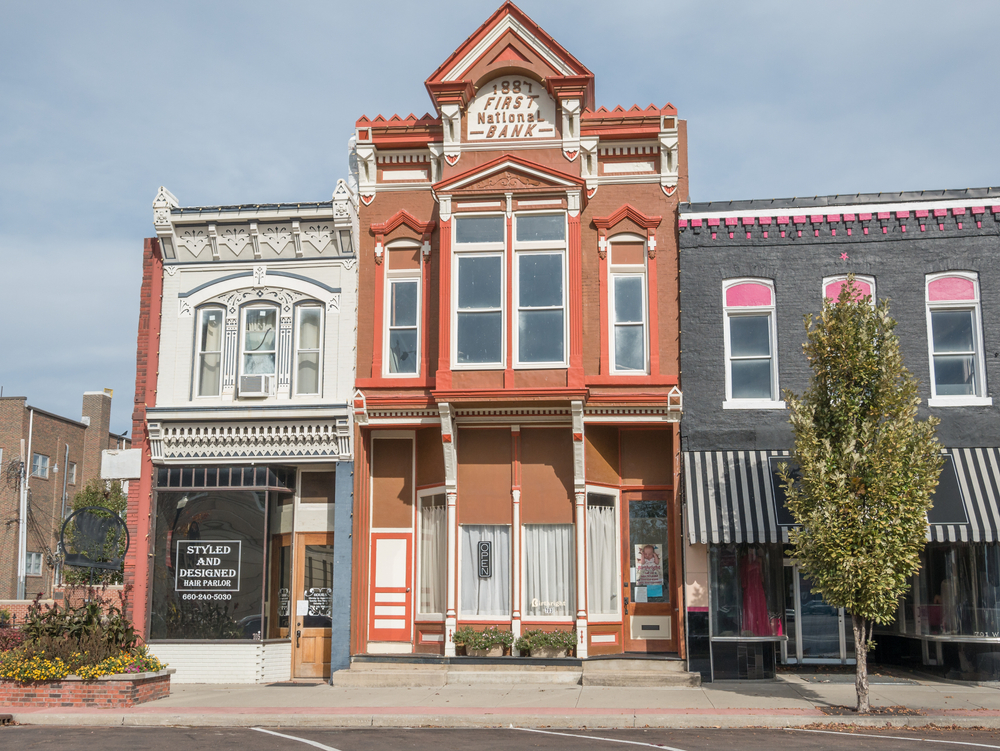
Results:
509 174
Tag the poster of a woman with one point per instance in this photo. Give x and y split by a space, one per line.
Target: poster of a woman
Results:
649 564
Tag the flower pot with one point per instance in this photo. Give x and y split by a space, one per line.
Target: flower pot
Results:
548 652
495 651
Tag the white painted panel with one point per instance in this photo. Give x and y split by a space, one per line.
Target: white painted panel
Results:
390 610
389 647
656 626
431 637
603 638
404 174
390 597
390 562
390 623
611 168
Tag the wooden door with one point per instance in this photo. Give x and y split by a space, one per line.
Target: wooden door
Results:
313 605
390 616
648 572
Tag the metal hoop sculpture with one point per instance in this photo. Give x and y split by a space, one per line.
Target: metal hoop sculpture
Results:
95 539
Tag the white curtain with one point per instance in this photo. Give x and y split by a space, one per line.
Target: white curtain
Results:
489 595
602 568
433 554
549 565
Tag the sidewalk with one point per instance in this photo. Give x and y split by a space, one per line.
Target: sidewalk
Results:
792 700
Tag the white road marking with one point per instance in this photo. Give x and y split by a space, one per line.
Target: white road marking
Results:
294 738
596 738
894 737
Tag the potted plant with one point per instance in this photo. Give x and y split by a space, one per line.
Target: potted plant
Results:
538 643
490 642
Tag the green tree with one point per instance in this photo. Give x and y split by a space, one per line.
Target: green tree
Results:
866 467
111 496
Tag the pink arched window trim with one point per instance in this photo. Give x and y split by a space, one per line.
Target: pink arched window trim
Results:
833 289
749 295
951 288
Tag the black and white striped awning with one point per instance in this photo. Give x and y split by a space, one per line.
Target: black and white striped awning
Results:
736 497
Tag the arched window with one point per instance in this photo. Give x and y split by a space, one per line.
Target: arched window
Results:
751 354
402 309
308 348
629 307
955 340
864 284
258 350
209 347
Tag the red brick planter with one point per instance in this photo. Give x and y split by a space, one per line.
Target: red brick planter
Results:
107 692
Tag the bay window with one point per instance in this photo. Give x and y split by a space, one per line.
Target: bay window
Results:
210 330
751 354
954 328
308 348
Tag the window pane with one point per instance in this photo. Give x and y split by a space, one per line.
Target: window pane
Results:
751 379
749 336
433 555
403 306
479 337
485 595
479 229
479 281
952 330
628 299
258 364
541 227
540 280
307 373
403 351
603 583
630 348
540 336
260 327
649 548
309 323
955 375
211 331
548 570
208 378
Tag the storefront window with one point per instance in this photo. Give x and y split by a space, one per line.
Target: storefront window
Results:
747 585
549 570
485 570
960 590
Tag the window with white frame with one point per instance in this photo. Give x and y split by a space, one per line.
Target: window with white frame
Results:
70 473
751 354
482 592
865 286
955 339
480 243
432 554
40 466
402 310
210 337
33 564
308 348
549 571
259 341
628 305
603 580
540 289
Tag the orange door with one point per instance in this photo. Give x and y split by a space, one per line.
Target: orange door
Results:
313 605
390 616
648 572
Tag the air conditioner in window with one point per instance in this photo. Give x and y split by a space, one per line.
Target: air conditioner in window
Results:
256 385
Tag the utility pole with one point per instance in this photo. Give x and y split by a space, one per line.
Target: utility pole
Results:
22 521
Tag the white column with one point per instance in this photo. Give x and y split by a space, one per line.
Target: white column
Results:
580 495
451 491
515 565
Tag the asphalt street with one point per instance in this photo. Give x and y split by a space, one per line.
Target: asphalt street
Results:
30 738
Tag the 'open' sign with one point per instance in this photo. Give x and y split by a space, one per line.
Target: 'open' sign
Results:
485 559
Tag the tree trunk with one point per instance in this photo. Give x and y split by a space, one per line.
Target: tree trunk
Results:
861 655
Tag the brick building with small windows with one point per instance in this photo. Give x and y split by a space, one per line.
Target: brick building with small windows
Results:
45 459
749 272
517 388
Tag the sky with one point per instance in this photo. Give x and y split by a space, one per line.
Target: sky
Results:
245 102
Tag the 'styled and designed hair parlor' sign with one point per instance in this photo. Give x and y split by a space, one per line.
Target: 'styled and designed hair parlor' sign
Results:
208 566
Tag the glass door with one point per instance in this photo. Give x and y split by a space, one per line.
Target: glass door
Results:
817 632
649 613
313 614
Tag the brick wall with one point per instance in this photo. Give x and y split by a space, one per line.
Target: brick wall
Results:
73 692
13 422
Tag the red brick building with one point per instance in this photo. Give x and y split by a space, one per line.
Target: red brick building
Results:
517 358
49 458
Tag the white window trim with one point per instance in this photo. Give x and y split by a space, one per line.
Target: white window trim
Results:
29 557
870 280
458 581
979 400
43 474
731 311
525 618
70 471
541 247
622 270
403 275
417 615
243 333
297 329
479 249
616 494
198 352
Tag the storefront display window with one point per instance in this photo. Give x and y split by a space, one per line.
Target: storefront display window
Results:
960 590
746 588
549 570
485 572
